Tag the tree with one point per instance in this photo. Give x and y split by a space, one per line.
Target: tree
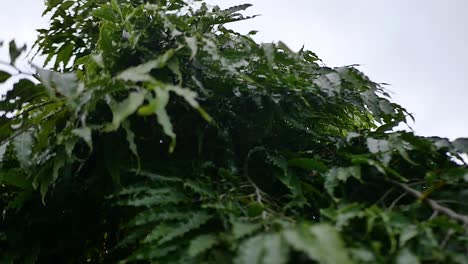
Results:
159 135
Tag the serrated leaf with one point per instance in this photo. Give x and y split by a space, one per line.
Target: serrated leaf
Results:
171 232
235 9
151 216
201 244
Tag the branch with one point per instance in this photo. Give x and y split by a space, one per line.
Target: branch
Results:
433 204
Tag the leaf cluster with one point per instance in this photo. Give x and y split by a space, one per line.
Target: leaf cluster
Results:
158 135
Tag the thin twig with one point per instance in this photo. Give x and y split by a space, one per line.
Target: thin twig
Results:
396 201
433 204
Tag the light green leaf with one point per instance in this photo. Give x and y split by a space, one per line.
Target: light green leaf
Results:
250 251
320 242
201 244
192 43
141 72
65 84
85 134
408 233
242 229
406 257
23 144
269 51
194 222
276 251
377 145
105 38
158 106
98 59
125 108
461 145
130 137
329 244
337 175
105 12
116 7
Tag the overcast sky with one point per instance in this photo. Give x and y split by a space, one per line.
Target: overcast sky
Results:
418 46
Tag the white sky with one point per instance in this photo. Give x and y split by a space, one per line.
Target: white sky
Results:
418 46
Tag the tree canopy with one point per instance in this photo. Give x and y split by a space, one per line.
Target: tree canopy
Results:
154 134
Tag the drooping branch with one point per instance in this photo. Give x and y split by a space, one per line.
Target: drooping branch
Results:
437 207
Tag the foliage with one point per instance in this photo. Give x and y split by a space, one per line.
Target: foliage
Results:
159 135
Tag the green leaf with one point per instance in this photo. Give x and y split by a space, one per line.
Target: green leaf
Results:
14 177
194 222
337 175
308 164
65 84
377 146
255 209
320 242
235 9
406 257
276 251
116 7
242 229
158 106
126 108
85 134
4 76
15 51
250 251
64 55
461 145
141 72
105 38
201 244
105 12
192 44
130 138
23 144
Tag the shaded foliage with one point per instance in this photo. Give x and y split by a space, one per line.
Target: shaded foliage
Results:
159 135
